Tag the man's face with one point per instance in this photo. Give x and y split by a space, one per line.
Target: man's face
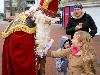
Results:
77 12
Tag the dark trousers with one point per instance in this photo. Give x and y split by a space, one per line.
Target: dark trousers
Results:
42 62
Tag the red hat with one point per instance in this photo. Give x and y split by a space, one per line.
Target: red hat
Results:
49 7
41 2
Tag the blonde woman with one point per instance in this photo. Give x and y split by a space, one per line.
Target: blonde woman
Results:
82 61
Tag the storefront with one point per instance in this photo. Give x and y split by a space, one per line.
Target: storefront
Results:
66 12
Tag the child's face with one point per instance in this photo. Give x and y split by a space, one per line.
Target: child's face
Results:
75 42
66 45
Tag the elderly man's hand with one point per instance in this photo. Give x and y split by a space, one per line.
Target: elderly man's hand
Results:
79 26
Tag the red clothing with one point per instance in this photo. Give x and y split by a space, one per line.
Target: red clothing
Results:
19 54
74 51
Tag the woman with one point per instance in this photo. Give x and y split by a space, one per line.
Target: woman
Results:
83 61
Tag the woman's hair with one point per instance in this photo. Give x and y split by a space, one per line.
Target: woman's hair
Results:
86 48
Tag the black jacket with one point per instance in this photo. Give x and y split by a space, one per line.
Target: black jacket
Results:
88 25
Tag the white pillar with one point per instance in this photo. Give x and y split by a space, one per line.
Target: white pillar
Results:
1 6
37 1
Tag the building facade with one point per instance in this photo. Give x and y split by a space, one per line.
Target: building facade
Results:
16 6
11 7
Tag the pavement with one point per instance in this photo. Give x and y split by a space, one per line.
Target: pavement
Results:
56 32
3 22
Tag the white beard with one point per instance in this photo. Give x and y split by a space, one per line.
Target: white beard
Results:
42 32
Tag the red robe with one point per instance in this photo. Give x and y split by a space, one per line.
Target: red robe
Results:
19 56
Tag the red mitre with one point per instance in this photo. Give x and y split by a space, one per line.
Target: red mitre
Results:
49 7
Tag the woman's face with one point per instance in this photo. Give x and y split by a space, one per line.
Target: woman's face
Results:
75 42
77 12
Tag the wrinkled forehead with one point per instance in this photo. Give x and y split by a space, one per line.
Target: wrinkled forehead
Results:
79 9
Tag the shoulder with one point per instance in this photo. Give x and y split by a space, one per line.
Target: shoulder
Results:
87 15
70 17
89 58
86 58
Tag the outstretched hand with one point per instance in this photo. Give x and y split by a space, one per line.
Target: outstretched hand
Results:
48 45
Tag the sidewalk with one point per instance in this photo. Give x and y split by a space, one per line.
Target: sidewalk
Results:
56 32
3 22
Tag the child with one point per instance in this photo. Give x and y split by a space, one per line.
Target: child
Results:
62 63
83 61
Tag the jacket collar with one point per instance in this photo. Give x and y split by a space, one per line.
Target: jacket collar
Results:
73 16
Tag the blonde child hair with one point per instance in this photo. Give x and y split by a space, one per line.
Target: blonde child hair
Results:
85 39
85 58
88 52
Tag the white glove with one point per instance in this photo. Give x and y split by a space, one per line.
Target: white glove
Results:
48 45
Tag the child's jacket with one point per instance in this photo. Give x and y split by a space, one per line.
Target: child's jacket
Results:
77 64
